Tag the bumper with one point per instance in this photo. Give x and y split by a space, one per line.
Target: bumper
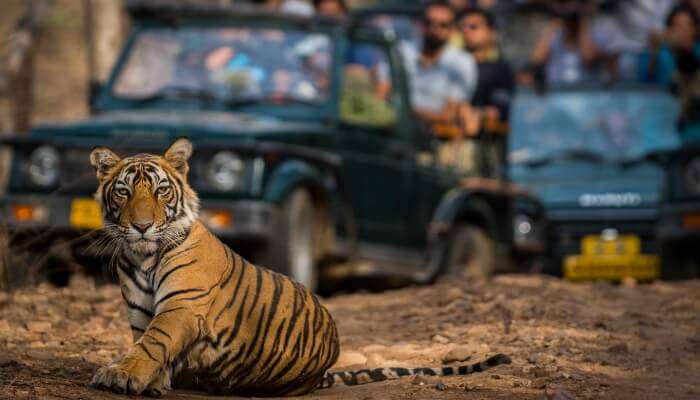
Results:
241 220
680 222
567 230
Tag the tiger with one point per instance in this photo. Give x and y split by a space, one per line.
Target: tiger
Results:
201 316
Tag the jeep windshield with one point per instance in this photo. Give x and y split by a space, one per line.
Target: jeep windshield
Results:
226 67
620 125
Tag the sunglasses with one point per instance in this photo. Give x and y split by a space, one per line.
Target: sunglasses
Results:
472 27
437 24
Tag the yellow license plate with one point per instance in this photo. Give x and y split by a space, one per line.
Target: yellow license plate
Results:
641 266
613 258
627 245
85 214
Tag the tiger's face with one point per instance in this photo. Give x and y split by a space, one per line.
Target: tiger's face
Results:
146 201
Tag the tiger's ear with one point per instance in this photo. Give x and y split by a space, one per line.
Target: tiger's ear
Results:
178 154
103 159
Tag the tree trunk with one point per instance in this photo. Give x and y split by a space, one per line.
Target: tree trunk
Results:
103 34
17 66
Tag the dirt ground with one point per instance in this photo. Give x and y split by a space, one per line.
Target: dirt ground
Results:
567 340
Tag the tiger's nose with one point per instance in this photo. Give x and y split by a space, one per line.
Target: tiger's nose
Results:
142 227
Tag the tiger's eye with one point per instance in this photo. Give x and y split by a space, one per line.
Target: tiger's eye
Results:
163 190
123 192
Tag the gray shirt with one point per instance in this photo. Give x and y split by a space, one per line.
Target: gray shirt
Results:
452 76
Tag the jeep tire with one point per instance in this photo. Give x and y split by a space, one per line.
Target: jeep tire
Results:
678 262
471 253
291 250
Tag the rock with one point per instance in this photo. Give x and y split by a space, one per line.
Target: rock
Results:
629 282
6 360
620 348
4 326
420 379
457 354
528 369
553 393
38 354
440 386
539 383
541 359
440 339
454 293
350 358
495 376
38 326
540 372
376 361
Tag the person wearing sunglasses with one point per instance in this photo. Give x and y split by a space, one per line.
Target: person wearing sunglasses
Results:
442 78
494 88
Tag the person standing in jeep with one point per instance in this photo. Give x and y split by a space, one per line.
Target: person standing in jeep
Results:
442 81
494 87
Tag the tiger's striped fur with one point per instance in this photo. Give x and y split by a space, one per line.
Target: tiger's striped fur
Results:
201 315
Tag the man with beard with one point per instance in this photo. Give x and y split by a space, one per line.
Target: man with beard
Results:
442 77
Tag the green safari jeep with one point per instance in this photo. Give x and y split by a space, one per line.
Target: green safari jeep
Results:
307 152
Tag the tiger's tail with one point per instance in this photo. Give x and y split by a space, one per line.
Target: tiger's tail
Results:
364 376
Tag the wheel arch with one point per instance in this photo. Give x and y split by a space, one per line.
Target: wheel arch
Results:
468 206
320 182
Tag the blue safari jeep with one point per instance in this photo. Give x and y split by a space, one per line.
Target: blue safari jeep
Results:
588 152
307 152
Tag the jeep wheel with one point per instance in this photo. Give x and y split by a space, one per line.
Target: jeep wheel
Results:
678 262
291 251
471 253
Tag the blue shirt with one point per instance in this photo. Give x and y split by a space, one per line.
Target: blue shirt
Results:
665 65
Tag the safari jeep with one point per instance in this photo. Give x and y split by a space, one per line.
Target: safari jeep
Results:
588 152
307 153
679 226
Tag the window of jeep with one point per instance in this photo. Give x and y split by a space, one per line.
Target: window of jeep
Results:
227 64
367 97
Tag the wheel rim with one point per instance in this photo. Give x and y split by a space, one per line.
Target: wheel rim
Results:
301 247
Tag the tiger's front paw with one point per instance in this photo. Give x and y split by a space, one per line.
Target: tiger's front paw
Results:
118 379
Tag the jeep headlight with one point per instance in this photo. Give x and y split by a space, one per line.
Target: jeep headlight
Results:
226 171
526 233
44 166
692 176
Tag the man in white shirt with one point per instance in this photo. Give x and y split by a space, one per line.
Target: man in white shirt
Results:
442 78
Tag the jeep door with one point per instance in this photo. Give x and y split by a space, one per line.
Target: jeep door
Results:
375 156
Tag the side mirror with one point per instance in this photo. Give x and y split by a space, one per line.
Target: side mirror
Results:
94 90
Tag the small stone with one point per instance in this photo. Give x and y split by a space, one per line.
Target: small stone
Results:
454 293
6 360
553 393
348 358
495 376
420 379
620 348
539 383
527 369
376 361
38 326
629 282
440 339
541 359
540 372
600 325
517 384
39 354
440 386
4 326
457 354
